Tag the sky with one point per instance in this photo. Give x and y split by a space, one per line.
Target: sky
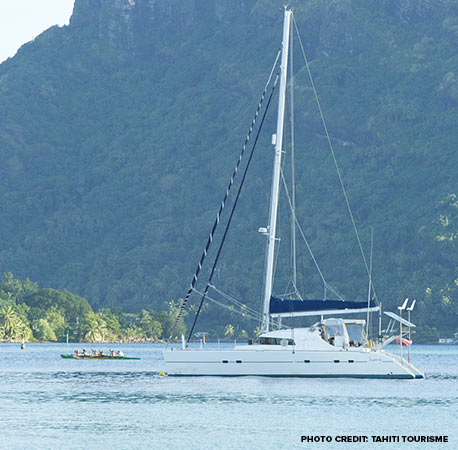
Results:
23 20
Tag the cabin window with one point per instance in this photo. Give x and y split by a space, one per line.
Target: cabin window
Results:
275 341
225 361
355 333
238 361
334 330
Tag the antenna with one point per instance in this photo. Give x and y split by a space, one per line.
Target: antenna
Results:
409 309
404 305
401 308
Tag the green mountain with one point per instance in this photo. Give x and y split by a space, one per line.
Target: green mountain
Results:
119 132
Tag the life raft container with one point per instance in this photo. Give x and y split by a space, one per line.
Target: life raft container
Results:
405 342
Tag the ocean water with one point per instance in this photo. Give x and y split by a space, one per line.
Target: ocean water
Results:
47 402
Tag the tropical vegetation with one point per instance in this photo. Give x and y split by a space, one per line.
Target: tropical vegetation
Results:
119 132
30 313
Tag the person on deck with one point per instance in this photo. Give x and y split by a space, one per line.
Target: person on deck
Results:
85 353
120 353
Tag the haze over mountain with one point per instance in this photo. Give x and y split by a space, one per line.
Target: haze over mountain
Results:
119 132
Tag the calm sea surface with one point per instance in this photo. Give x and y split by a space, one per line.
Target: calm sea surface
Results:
50 403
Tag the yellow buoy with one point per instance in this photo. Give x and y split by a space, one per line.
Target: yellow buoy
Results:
161 373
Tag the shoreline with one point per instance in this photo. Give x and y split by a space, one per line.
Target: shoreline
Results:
161 341
15 341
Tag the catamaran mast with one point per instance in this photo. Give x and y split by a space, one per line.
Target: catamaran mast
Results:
277 141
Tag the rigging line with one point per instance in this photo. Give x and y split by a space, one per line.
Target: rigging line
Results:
242 182
235 301
289 293
303 236
293 172
277 250
266 248
249 315
347 201
252 311
231 182
293 279
302 272
253 316
307 243
277 253
369 289
286 292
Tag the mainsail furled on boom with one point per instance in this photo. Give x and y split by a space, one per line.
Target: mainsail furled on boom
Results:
294 308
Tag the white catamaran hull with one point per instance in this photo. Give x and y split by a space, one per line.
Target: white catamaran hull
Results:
287 363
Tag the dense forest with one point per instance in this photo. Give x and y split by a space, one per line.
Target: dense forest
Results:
120 131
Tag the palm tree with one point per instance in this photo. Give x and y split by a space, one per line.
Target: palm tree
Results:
10 322
92 334
8 279
14 287
96 329
144 317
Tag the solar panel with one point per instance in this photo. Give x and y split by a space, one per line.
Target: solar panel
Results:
399 319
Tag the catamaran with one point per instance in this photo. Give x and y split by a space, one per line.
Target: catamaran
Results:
332 347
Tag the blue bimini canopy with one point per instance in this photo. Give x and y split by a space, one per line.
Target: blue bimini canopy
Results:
293 308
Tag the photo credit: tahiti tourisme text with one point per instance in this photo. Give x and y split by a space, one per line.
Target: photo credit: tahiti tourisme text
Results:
346 439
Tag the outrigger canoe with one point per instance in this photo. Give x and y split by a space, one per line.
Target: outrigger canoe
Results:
95 357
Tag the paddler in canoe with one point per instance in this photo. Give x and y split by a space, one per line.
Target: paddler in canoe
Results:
112 354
